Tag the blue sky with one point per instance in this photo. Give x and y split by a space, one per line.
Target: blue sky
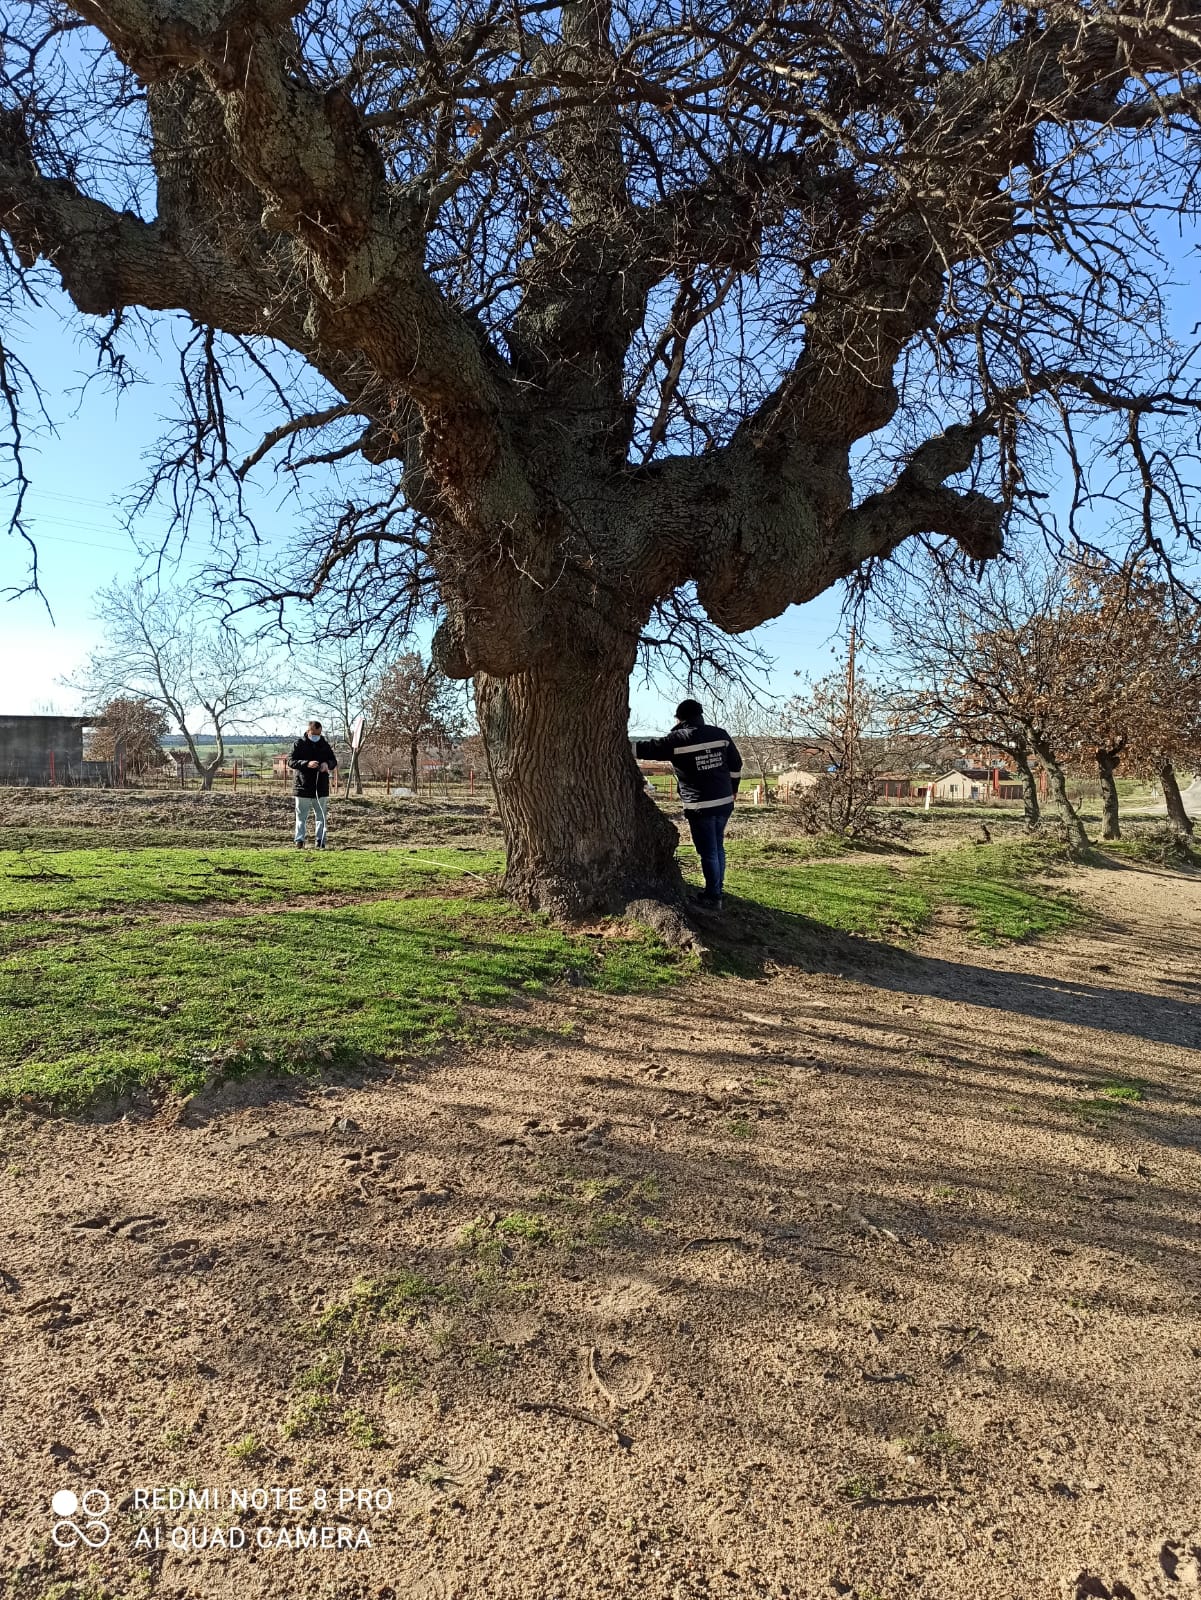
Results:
92 459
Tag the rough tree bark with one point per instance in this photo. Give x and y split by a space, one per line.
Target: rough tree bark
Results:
1177 815
1031 809
1059 788
1107 766
582 830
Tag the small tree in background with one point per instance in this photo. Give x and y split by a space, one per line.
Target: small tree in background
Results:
415 705
926 700
173 653
1082 663
129 733
1119 675
756 727
992 657
833 713
1126 680
343 682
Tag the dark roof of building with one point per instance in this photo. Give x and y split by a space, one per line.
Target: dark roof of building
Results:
10 719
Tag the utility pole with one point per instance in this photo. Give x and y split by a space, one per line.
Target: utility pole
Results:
851 735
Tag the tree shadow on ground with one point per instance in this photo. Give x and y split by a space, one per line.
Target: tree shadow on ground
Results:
752 940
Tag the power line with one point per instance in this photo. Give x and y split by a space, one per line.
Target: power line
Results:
113 549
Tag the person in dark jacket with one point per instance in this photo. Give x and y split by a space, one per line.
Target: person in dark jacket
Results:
708 768
312 760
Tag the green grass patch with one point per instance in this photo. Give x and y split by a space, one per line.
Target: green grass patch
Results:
98 1001
36 882
1124 1093
1109 1100
995 884
599 1212
873 900
879 900
806 847
935 1444
175 1005
860 1488
402 1298
496 1241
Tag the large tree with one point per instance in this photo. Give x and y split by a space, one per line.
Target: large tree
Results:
620 302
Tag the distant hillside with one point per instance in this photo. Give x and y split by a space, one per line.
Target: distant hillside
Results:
177 740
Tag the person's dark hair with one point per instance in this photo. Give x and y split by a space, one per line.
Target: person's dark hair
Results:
689 711
315 724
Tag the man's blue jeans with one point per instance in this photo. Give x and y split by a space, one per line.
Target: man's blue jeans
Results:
708 829
303 806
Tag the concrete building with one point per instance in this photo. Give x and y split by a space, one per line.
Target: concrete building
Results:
42 750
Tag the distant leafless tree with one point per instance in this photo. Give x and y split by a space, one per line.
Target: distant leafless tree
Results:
163 647
756 725
837 712
341 678
416 705
987 661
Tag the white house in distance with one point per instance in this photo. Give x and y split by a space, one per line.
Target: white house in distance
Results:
966 784
791 782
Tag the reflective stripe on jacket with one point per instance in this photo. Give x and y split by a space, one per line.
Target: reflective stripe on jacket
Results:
706 762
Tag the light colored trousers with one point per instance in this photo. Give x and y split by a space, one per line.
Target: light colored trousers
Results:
303 807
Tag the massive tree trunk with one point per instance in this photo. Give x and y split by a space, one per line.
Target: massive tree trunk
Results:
1177 815
1107 765
582 833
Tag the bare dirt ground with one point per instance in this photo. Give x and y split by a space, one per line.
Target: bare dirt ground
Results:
855 1281
130 818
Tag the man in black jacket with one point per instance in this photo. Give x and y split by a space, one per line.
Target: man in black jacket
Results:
312 760
708 768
